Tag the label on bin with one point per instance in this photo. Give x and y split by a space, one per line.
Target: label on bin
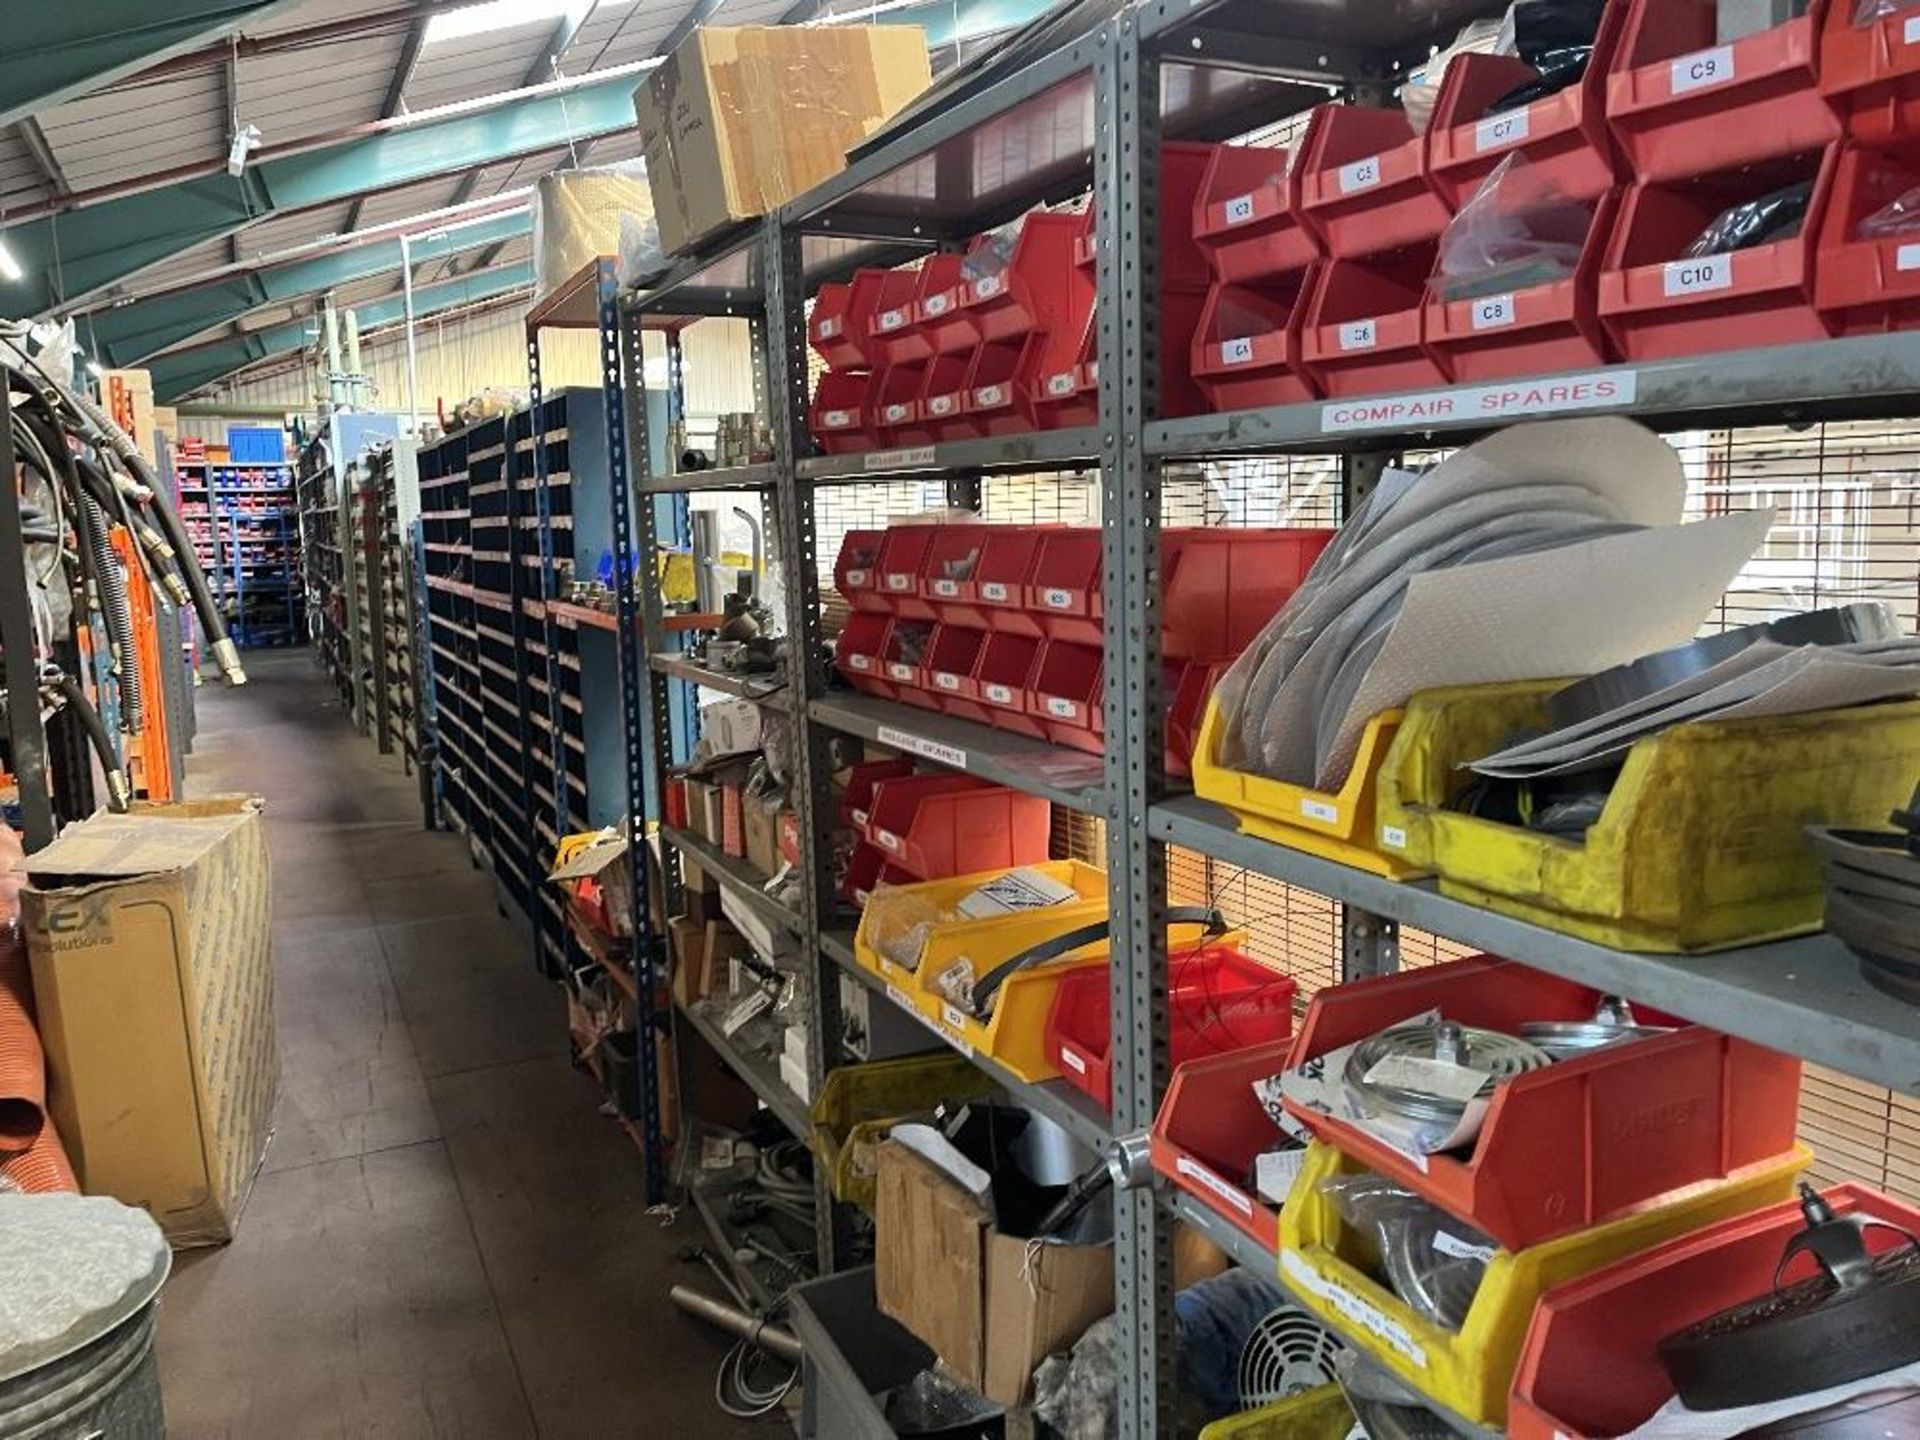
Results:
900 672
998 694
836 419
1490 312
892 319
1703 68
887 839
897 581
988 286
990 395
994 590
1352 1307
1360 175
1236 352
1910 35
860 662
1072 1061
1239 211
1694 277
1907 258
918 745
946 681
1061 709
941 405
1061 384
1496 132
829 327
1206 1179
1057 599
1393 837
1360 335
946 589
857 577
1320 810
937 304
897 413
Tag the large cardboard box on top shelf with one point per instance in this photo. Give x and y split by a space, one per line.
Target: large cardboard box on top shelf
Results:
740 119
153 979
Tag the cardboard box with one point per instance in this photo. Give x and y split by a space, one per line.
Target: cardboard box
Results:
730 727
996 1313
153 974
706 810
687 938
605 864
762 820
740 119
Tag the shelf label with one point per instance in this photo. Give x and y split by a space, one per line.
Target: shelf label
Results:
988 286
988 395
1057 599
1072 1061
829 327
1393 837
1236 352
1696 277
1351 1307
1360 335
1497 132
1239 211
942 404
1320 810
892 319
938 305
946 589
919 745
1360 175
1061 384
1061 709
943 680
1910 34
900 459
1510 400
897 581
999 694
994 590
1702 69
1202 1176
1491 312
1908 258
836 419
900 672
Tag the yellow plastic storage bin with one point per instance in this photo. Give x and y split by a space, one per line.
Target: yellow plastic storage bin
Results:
860 1104
1335 826
1470 1372
1318 1414
1701 843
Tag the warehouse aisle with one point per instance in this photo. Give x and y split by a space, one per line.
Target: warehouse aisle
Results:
446 1240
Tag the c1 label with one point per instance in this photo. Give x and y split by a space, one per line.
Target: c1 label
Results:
1695 277
1236 352
1491 312
1239 209
1360 335
1360 175
1497 132
1702 69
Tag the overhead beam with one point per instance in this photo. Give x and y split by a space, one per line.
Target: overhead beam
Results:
188 370
304 37
55 52
35 139
71 257
403 70
125 336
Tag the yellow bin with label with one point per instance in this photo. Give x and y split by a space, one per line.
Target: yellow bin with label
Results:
1318 1414
1701 844
1470 1372
860 1104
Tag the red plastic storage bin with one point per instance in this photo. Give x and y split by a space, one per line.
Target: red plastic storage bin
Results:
860 653
1005 680
867 869
1533 331
953 661
1066 696
856 570
943 397
1864 285
1211 1129
1246 351
840 324
838 415
1220 1001
862 781
937 312
936 831
901 569
1590 1368
999 587
1564 136
949 565
893 406
894 801
1000 374
1026 280
1655 305
1247 217
1871 72
904 658
1365 327
1582 1141
1221 586
895 335
1363 183
1681 105
1063 589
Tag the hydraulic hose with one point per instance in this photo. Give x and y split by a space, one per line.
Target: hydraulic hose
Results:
69 691
112 583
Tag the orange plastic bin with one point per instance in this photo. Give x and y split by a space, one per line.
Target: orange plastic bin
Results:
933 828
1871 72
1363 182
1211 1129
1246 351
1247 216
1365 328
1866 285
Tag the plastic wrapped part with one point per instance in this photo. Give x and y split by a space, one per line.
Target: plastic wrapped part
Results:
577 216
1866 12
1900 216
1078 1393
1431 1260
933 1403
1774 217
641 258
899 919
1519 230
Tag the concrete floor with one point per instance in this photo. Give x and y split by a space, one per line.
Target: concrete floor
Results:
446 1240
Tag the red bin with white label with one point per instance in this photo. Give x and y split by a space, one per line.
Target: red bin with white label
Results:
1211 1131
1005 675
1063 591
1563 135
1681 104
838 415
1870 71
1247 217
839 327
1363 182
1246 350
1866 284
1365 327
1656 303
953 671
900 572
1066 695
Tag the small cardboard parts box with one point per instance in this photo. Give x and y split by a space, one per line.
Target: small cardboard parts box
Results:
996 1312
740 119
153 976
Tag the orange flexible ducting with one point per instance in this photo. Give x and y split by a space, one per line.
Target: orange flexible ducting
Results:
31 1155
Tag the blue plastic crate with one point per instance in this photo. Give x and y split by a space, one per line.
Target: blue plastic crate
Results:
256 445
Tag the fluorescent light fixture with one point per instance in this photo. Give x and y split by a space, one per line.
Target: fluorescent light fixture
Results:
10 270
492 15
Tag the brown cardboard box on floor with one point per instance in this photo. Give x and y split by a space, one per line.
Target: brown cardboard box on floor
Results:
153 977
996 1311
740 119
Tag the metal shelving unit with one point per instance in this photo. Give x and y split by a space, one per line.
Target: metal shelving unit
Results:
1092 115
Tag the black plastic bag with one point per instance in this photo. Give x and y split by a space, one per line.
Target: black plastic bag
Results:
1771 218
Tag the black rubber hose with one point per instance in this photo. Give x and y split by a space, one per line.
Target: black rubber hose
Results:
96 728
118 612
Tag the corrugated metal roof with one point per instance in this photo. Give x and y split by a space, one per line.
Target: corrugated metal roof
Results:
455 70
407 201
103 139
22 181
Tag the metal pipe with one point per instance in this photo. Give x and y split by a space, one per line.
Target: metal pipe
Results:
235 410
413 347
738 1323
356 373
331 323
